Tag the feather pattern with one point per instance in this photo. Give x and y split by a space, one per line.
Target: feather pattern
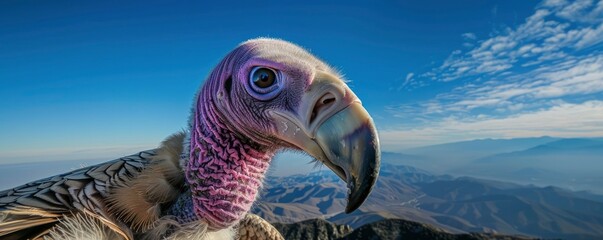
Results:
82 226
45 201
138 201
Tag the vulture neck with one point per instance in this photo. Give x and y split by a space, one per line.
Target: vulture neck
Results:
224 170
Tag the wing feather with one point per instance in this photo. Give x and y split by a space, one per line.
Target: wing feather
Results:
33 208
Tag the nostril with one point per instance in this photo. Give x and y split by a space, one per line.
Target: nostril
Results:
322 104
328 101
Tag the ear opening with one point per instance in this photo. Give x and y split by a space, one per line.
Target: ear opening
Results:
228 85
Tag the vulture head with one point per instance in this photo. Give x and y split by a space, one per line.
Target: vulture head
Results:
264 96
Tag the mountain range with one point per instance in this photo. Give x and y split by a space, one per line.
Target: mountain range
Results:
572 163
454 204
490 186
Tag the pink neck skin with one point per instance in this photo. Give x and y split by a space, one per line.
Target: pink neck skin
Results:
224 171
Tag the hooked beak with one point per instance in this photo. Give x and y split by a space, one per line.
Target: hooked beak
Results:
332 126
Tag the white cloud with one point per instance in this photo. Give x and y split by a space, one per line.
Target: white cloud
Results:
409 76
408 80
469 36
521 69
580 76
579 10
590 37
554 3
555 28
554 121
517 83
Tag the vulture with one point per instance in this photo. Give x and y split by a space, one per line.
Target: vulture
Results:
265 96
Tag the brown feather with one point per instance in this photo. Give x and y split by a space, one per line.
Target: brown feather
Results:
84 226
22 223
125 195
138 201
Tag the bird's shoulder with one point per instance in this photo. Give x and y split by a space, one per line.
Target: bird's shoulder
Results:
71 190
28 210
106 191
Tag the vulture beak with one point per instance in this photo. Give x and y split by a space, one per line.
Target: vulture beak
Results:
332 126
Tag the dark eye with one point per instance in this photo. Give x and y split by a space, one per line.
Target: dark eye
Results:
264 83
263 77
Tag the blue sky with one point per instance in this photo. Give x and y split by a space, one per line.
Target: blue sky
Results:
99 79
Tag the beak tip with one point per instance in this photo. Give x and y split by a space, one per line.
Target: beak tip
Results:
349 210
352 206
360 190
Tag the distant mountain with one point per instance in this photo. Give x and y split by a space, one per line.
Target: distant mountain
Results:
575 144
401 158
451 154
486 146
545 212
384 229
564 154
298 197
573 163
456 205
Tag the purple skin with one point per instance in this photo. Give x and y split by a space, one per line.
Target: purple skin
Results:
233 135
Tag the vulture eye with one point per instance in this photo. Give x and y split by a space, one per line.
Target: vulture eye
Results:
264 82
263 77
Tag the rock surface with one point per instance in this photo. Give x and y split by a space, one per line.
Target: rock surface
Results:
384 229
313 229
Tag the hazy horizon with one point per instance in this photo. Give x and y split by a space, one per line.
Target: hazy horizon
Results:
575 166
